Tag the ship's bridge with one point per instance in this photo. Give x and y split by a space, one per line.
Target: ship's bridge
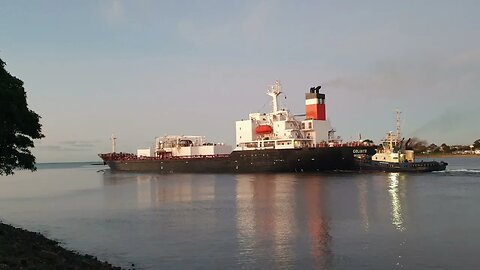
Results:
279 129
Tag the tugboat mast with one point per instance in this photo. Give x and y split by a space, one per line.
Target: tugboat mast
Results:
398 125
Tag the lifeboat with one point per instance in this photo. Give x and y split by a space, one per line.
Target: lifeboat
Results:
264 129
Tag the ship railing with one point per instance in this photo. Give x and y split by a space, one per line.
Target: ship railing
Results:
347 144
184 157
118 156
130 156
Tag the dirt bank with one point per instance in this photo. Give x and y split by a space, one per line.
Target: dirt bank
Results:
21 249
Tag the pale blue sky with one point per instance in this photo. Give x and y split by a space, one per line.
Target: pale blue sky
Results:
141 69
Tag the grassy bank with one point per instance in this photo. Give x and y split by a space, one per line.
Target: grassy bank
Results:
21 249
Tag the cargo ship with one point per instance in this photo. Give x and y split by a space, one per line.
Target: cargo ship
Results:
394 155
265 142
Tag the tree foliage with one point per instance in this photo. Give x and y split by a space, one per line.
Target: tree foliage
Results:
476 144
445 148
19 125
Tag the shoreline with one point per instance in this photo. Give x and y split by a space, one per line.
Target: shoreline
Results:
22 249
448 155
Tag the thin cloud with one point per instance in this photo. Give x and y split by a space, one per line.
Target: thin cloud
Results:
250 28
114 11
414 76
469 57
70 146
453 123
254 25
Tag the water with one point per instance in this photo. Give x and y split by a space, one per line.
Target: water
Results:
255 221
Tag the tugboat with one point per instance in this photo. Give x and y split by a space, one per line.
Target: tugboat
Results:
393 155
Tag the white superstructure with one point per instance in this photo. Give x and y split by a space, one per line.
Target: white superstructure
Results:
145 152
393 148
280 129
184 146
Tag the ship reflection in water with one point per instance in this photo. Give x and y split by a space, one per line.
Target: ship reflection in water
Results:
152 189
363 204
273 211
272 221
277 220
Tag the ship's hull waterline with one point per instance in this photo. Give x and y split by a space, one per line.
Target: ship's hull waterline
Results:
253 161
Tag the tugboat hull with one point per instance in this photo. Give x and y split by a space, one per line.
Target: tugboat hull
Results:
427 166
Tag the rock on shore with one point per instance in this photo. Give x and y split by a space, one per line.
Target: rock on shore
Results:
21 249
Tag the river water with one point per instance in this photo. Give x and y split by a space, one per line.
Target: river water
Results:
254 221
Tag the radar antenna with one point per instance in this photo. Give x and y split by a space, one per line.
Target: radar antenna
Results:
274 91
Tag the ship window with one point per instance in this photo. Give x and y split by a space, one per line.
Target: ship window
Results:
310 125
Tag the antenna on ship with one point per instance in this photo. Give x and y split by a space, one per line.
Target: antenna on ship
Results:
398 124
274 91
114 143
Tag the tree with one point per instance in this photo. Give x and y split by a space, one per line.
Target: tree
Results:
433 148
19 125
445 148
476 144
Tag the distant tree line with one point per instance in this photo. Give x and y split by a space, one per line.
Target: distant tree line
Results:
422 146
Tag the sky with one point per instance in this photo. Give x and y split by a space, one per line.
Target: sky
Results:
142 69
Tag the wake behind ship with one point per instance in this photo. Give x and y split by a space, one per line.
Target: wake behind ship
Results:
265 142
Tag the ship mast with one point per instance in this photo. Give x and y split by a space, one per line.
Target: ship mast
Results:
398 124
114 143
274 91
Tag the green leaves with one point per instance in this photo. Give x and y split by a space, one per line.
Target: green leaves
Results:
19 125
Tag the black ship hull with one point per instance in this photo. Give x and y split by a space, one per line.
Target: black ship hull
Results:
424 166
252 161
